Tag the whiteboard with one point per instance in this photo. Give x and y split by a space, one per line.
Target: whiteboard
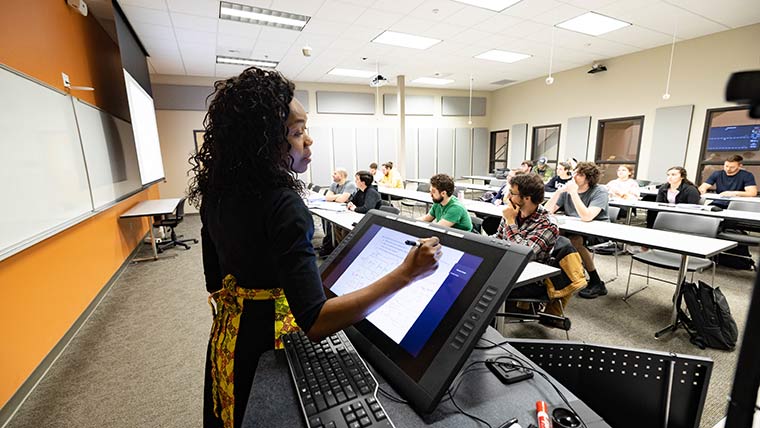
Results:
145 128
42 171
109 149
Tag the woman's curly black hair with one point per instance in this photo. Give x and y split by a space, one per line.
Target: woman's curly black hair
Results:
245 149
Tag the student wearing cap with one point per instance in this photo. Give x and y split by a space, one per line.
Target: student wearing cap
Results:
543 169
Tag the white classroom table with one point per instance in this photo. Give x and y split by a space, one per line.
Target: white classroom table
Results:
486 178
150 208
470 186
736 215
711 196
348 219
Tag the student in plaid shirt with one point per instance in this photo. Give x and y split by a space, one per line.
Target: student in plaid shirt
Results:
525 221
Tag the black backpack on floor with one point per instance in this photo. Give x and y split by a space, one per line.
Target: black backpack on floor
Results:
709 321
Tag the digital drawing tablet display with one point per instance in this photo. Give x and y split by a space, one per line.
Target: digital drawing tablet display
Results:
412 314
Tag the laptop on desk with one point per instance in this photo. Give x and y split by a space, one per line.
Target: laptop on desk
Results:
419 339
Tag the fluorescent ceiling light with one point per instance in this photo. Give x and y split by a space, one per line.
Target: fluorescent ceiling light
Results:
432 81
502 56
495 5
348 72
405 40
593 24
260 16
245 61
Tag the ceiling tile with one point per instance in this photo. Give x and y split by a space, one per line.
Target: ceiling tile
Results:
361 33
323 26
278 35
527 28
437 10
146 16
195 37
228 41
147 31
193 22
443 31
167 67
398 6
589 4
558 14
338 11
733 13
664 18
499 23
411 25
300 7
270 51
378 18
205 8
470 15
528 9
228 70
638 36
239 29
318 42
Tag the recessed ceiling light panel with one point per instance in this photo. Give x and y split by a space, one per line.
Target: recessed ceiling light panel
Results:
503 56
432 81
261 16
495 5
246 61
593 24
405 40
349 72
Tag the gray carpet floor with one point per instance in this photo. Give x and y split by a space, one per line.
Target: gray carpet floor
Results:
138 361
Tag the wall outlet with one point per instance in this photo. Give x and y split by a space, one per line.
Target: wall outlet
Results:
66 81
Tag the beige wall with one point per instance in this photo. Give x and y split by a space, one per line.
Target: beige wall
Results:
633 86
175 128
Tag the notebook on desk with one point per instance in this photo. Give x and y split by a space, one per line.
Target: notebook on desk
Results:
420 338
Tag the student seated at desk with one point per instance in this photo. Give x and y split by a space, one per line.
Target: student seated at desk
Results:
259 265
446 210
525 221
624 187
543 169
564 171
677 190
584 197
366 197
341 189
390 178
731 181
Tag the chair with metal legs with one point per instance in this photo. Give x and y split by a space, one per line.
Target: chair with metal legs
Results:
609 247
682 223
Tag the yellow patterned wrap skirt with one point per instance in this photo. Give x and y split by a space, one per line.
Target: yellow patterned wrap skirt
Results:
227 307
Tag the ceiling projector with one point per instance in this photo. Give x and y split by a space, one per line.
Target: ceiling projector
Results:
378 81
597 68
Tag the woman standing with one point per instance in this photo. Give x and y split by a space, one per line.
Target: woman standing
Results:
677 190
258 261
624 187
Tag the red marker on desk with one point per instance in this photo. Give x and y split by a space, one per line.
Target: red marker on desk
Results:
542 416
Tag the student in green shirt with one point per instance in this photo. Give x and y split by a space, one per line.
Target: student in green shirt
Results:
446 210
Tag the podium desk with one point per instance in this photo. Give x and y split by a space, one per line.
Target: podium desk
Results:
150 208
273 401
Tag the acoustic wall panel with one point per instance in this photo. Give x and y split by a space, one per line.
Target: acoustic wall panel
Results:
518 144
669 140
445 164
321 156
416 105
462 152
345 102
426 152
460 106
344 149
366 148
387 145
181 97
411 154
480 146
576 142
303 98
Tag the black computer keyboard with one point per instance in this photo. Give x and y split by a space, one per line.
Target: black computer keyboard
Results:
334 385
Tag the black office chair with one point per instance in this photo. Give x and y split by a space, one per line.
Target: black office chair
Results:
389 208
171 221
421 187
675 222
736 232
477 224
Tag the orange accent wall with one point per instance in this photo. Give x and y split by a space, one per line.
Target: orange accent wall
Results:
47 286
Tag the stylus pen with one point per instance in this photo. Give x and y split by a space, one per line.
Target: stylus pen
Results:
413 243
508 423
